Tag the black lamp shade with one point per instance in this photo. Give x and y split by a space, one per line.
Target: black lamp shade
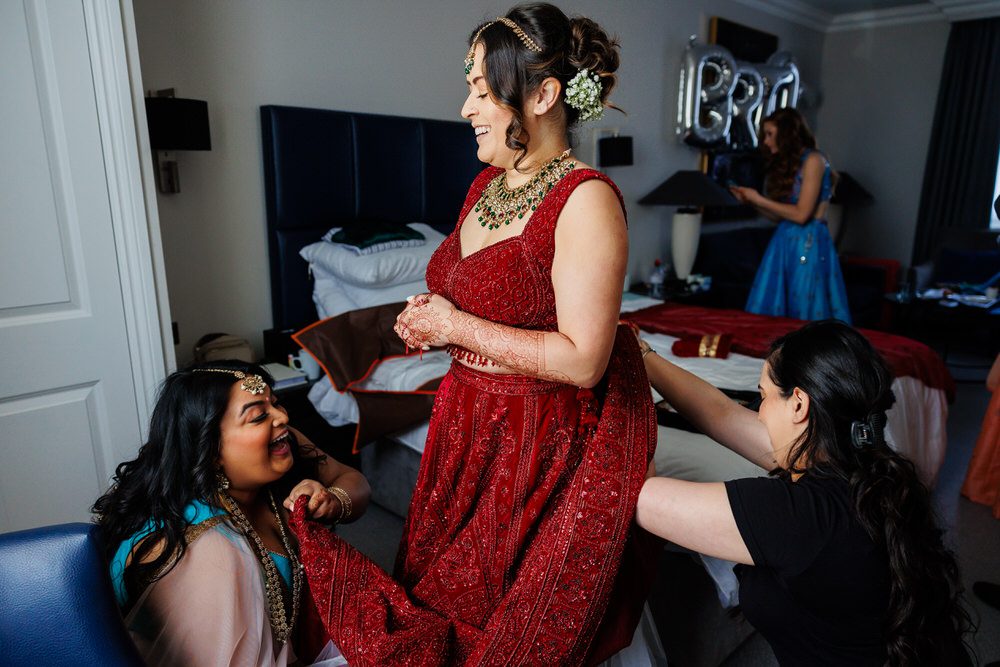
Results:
177 124
848 191
689 188
614 152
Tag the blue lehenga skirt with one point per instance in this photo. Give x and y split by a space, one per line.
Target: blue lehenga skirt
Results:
800 275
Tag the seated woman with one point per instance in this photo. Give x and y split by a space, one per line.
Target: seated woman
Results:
841 560
203 564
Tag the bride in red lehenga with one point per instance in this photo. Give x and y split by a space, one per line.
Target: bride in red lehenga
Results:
520 545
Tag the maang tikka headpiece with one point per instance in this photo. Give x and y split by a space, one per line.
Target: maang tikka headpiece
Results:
253 383
470 59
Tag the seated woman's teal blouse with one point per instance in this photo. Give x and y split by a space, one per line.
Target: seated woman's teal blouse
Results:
194 514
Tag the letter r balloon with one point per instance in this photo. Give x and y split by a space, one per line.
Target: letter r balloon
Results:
722 100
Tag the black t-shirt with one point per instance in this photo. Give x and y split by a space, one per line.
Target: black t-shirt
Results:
819 587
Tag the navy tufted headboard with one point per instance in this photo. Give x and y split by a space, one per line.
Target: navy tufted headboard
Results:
329 168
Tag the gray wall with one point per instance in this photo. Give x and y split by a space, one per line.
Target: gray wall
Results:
380 57
880 88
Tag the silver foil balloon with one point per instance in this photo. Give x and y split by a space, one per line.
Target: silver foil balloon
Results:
748 95
705 103
781 82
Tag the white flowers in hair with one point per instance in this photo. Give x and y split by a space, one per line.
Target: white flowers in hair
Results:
584 94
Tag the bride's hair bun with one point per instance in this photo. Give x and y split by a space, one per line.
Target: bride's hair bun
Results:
592 49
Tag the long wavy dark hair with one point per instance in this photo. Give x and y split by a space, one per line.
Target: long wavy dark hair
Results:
178 465
793 138
847 381
513 71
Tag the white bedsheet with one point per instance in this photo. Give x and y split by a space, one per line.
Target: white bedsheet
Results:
916 423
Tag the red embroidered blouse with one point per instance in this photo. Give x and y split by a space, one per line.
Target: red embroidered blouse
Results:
510 281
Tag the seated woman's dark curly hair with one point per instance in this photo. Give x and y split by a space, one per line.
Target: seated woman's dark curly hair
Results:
176 466
567 46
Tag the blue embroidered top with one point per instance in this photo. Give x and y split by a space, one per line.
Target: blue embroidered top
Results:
826 186
194 514
799 275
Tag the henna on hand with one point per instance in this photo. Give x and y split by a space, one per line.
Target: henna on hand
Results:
427 321
519 350
430 320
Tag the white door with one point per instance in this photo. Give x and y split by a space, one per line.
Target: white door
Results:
72 404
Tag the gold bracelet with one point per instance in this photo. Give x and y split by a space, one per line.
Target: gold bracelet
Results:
647 351
345 502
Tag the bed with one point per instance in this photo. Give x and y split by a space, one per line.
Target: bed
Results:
328 169
325 169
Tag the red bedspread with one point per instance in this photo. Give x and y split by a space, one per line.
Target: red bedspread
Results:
752 335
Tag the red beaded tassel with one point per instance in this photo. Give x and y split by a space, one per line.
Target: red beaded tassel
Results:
467 356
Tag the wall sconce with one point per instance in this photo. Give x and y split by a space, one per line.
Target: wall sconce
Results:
614 151
175 124
690 190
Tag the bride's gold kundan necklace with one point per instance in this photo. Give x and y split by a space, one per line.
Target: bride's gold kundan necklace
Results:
500 204
282 622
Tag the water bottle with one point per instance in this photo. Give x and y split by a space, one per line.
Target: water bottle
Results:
656 280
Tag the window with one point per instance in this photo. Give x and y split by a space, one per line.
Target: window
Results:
994 220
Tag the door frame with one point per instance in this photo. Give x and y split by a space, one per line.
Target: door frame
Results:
128 160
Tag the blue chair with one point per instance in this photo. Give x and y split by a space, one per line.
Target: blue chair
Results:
57 606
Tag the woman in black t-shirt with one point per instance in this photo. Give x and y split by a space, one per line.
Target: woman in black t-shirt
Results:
842 563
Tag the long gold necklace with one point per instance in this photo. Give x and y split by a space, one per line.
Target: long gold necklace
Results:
282 623
499 204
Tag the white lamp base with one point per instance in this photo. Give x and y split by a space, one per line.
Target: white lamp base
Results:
686 230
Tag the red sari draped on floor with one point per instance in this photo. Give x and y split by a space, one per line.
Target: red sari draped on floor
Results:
519 546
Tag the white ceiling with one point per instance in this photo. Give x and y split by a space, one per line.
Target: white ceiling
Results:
837 15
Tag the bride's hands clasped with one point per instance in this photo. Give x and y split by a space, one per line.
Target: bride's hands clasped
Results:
426 321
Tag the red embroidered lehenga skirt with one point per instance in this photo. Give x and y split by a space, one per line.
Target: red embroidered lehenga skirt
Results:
519 546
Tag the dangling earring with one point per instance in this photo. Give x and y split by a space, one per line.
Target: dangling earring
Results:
221 480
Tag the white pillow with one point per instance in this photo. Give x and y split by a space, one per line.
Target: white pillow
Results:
366 297
383 269
374 248
328 294
333 297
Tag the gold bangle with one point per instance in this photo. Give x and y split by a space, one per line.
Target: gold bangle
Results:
345 502
647 351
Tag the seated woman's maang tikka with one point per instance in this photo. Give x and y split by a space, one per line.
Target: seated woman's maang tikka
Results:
470 59
251 383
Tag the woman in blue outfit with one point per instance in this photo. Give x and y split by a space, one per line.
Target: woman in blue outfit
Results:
800 275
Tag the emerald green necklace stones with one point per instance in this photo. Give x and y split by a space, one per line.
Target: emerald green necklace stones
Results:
499 205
